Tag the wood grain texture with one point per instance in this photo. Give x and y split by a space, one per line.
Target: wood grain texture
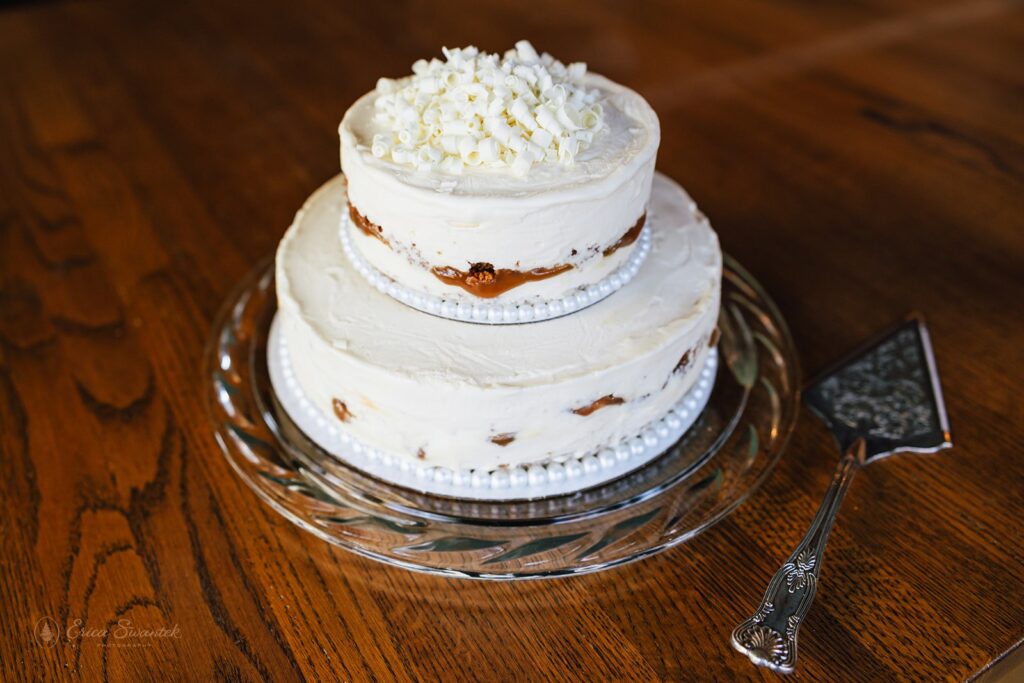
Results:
862 159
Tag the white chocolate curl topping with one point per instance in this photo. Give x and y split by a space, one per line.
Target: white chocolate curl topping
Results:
476 110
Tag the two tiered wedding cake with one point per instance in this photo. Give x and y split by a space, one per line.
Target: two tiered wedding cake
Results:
500 288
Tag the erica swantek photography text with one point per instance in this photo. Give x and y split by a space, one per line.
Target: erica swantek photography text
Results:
121 633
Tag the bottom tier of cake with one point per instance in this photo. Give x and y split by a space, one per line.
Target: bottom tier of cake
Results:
437 393
539 480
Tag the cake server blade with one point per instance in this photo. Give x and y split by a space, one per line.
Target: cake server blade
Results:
882 399
887 393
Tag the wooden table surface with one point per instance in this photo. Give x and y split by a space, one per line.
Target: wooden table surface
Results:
862 160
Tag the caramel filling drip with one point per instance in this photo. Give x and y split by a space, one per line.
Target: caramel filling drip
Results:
421 454
341 410
483 279
629 237
365 225
683 362
486 281
503 439
602 402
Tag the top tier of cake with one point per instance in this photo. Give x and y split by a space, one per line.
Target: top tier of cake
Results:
520 194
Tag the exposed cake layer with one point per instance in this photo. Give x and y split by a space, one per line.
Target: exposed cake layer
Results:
470 396
436 232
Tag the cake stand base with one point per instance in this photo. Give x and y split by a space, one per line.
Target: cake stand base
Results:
719 461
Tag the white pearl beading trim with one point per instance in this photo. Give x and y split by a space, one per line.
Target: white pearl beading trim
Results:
495 313
517 483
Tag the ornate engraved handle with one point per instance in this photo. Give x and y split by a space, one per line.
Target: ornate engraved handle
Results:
769 637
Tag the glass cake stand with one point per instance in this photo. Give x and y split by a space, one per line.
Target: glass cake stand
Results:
717 464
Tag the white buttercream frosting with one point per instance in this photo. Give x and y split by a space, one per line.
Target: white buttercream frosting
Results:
416 384
476 109
629 129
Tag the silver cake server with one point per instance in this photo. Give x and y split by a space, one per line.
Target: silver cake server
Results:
884 398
